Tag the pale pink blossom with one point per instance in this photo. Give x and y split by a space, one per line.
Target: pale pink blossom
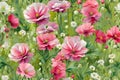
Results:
58 6
20 53
74 48
47 41
37 13
85 29
50 27
58 69
26 69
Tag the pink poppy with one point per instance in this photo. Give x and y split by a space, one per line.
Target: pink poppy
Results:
20 53
85 29
60 56
37 13
14 21
79 1
47 41
74 48
58 6
50 27
90 11
102 1
92 19
26 69
101 37
91 3
114 33
58 69
92 14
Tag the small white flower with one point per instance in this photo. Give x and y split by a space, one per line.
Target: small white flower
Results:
114 46
95 75
80 65
62 34
111 56
33 50
92 67
102 8
111 61
22 32
73 24
59 46
2 29
65 21
12 9
76 12
4 77
39 69
6 44
66 26
40 63
101 62
15 33
69 78
34 39
4 7
109 71
117 8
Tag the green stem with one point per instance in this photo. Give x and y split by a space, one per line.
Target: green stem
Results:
59 19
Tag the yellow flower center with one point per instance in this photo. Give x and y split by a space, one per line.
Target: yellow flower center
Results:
37 15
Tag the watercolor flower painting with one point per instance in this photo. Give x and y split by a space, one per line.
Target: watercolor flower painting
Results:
59 39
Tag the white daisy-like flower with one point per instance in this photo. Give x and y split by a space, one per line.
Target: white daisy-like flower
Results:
112 56
22 32
101 62
95 76
92 67
4 77
62 34
111 61
117 8
73 24
59 46
76 12
4 8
